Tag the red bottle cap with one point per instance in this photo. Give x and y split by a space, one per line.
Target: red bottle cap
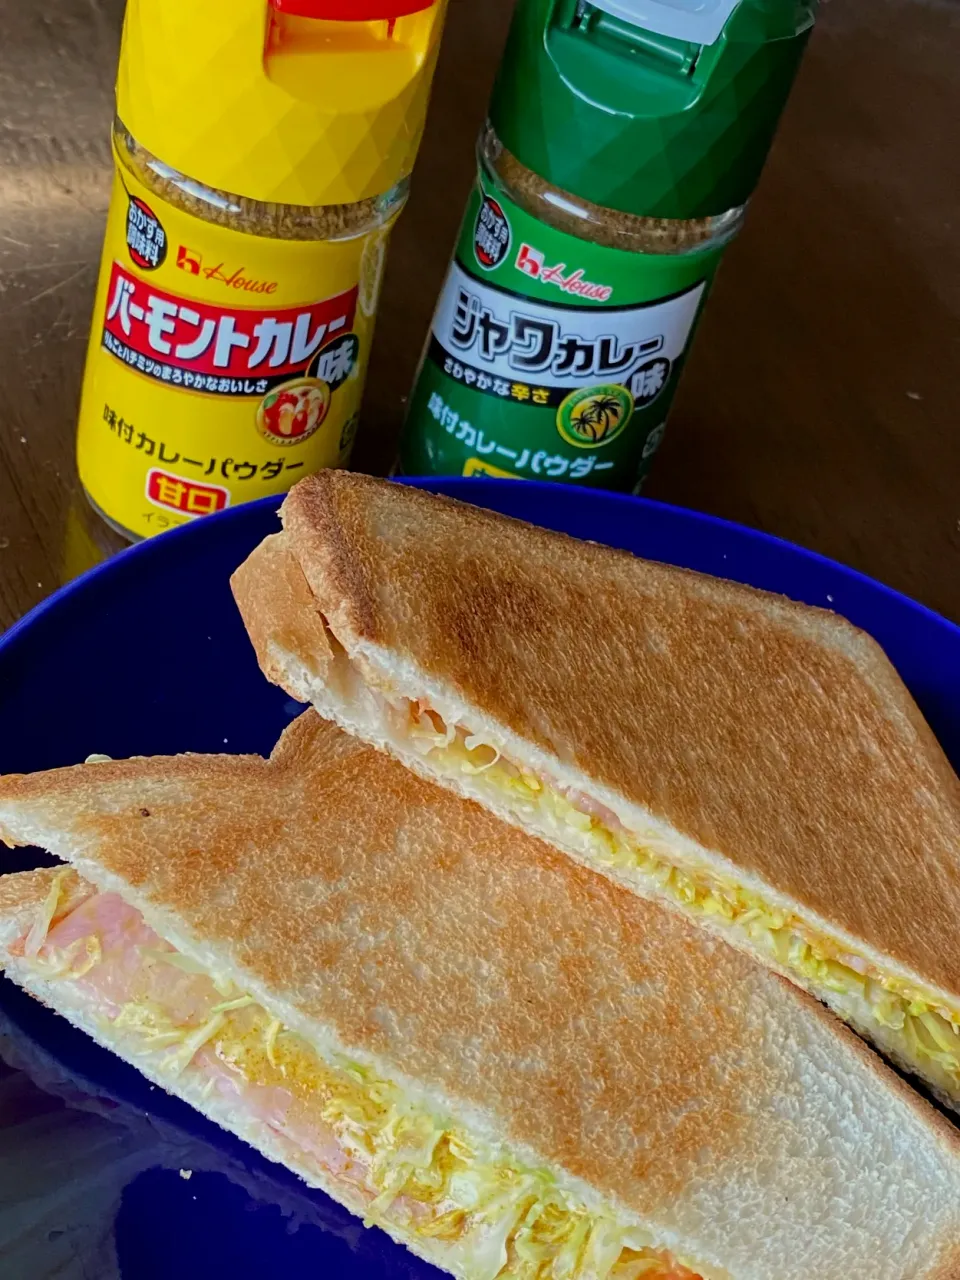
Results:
352 10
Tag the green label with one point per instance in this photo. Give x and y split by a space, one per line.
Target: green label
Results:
549 357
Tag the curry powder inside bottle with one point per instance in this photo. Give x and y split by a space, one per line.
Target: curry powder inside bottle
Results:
623 143
256 184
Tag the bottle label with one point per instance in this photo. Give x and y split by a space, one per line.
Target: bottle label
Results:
222 366
550 357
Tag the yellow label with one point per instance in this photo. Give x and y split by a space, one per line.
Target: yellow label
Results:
477 467
222 367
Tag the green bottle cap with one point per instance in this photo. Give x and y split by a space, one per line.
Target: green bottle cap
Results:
660 108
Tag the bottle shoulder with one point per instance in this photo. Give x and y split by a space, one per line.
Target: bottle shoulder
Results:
255 217
595 223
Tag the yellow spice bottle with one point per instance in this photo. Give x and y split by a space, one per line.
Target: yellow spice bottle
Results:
263 150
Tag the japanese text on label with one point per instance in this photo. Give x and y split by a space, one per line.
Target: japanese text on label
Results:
511 339
227 351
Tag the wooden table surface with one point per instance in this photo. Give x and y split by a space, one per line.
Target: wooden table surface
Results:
822 400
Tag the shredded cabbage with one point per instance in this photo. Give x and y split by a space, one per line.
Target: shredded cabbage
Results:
148 1020
74 961
48 909
227 1006
422 1174
429 728
473 743
929 1029
176 1063
271 1031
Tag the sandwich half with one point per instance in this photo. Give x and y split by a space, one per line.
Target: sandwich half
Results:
506 1062
753 764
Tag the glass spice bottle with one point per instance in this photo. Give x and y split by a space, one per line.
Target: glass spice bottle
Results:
262 154
624 140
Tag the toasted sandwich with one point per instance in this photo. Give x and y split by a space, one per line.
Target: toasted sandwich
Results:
753 764
505 1061
104 1135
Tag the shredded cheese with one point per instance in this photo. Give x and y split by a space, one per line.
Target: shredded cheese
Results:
227 1006
48 909
176 1063
270 1040
420 1173
929 1031
61 962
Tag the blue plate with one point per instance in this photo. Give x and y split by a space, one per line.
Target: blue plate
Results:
146 655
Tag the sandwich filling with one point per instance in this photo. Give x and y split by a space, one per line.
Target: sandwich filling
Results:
419 1175
912 1024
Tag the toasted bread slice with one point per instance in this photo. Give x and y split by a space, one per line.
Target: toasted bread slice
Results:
753 763
103 1140
596 1059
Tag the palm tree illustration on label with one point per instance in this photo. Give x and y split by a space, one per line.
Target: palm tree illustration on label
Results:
593 416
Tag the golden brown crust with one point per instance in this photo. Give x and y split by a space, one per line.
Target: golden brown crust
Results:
945 1131
25 890
279 609
615 1041
410 873
775 735
29 889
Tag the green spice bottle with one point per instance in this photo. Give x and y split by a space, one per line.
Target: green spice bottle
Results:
623 142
